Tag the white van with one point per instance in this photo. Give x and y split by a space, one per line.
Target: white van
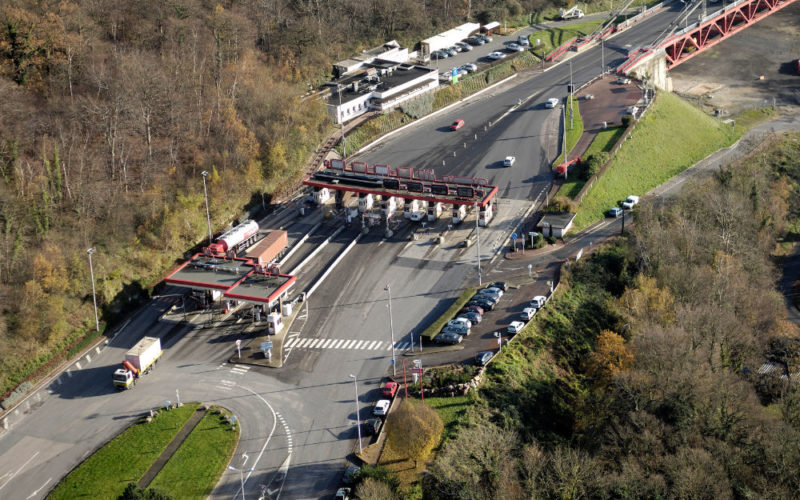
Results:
538 301
528 313
523 40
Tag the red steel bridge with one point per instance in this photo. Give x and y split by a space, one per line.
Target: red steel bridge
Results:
693 39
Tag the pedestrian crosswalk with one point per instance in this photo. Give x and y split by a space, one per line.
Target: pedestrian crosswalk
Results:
347 344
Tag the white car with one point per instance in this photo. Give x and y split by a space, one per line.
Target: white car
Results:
515 47
630 201
496 55
623 81
515 327
460 321
538 301
491 290
381 407
509 161
471 68
551 103
528 313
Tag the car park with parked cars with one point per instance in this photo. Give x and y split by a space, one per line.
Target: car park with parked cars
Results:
630 202
551 103
448 338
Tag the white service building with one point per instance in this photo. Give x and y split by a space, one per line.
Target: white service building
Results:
446 39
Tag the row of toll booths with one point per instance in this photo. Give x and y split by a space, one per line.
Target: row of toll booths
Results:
413 209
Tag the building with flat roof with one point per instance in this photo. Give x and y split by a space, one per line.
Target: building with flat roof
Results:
556 225
446 39
389 51
380 86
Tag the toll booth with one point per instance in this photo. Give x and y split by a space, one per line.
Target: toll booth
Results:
434 211
365 202
274 323
388 206
339 197
321 195
459 213
411 206
486 215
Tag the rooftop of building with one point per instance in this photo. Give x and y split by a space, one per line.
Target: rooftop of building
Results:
210 272
380 76
259 287
557 220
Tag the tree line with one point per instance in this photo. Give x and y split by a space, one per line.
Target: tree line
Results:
640 380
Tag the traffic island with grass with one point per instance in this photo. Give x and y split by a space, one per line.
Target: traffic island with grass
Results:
192 469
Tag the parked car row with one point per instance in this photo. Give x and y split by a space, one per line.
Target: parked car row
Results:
472 314
462 46
527 314
630 202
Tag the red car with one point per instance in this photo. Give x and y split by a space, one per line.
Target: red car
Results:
389 390
457 125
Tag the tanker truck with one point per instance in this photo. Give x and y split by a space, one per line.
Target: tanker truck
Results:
138 361
236 239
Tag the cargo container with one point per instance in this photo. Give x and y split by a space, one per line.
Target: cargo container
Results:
270 247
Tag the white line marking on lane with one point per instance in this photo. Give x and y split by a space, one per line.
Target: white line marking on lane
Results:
40 489
18 470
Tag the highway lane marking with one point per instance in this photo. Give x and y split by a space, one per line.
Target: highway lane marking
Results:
352 344
18 471
359 344
285 465
78 365
347 344
40 489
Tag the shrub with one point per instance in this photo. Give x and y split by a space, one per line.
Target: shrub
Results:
560 204
413 429
593 164
627 120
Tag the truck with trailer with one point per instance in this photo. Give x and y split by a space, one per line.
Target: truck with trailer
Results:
236 239
269 247
138 361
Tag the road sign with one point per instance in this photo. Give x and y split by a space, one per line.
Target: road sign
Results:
418 370
266 346
514 236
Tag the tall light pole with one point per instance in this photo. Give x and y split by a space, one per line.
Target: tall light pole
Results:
602 58
571 92
204 173
358 412
241 476
391 327
477 245
94 293
341 122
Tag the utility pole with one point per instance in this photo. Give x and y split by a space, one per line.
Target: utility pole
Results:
204 173
565 142
94 294
341 122
571 92
391 327
477 244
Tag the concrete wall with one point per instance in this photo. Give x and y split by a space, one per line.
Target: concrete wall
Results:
653 67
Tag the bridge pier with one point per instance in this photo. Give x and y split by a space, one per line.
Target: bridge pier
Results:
653 68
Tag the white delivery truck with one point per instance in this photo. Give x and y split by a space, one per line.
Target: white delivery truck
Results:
138 361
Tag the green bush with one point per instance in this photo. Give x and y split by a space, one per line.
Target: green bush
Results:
627 120
560 204
593 164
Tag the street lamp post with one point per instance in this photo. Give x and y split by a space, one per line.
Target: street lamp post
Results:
571 92
358 412
602 58
477 241
391 327
341 122
241 476
204 173
94 292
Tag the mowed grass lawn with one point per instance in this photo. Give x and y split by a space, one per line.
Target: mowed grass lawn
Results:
124 459
555 37
198 464
603 141
672 136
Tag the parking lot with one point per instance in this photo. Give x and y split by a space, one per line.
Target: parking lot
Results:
478 55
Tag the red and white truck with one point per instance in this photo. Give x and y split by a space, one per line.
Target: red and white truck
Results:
138 361
237 238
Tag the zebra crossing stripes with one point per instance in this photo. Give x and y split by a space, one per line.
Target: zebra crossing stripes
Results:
346 344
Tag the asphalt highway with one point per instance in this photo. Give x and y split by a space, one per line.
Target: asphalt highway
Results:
298 422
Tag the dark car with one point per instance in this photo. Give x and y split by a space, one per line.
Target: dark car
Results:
374 426
472 308
448 338
475 41
473 316
483 357
352 474
502 285
482 303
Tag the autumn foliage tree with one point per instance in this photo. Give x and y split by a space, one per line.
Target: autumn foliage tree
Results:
414 429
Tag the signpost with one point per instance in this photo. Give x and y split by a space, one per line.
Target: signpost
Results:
514 240
266 348
239 347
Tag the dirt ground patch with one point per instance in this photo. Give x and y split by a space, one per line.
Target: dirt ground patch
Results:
728 77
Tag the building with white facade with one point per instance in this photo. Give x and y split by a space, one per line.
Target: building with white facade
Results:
446 39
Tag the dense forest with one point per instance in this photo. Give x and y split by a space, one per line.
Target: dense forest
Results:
640 380
111 110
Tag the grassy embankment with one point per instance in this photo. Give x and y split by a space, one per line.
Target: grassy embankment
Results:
449 314
672 136
604 141
574 133
198 464
553 38
192 472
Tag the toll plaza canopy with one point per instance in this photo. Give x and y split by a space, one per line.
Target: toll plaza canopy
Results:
238 278
402 182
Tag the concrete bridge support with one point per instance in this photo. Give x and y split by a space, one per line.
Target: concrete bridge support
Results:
654 68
